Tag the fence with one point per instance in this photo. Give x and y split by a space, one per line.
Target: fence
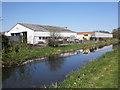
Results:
15 38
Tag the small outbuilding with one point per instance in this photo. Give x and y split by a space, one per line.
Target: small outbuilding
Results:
87 35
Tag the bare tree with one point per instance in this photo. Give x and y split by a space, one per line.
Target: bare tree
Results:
55 38
54 34
71 39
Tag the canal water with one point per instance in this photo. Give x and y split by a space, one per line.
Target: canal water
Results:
50 69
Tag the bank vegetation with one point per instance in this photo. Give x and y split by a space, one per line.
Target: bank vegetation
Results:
14 53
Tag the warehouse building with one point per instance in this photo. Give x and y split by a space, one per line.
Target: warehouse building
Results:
35 34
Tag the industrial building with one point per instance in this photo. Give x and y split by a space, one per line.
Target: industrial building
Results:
35 34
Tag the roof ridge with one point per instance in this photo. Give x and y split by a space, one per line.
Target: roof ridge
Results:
46 27
42 25
27 23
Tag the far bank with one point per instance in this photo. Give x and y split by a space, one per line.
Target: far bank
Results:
25 52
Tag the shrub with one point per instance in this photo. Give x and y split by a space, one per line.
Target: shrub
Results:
54 42
92 38
105 39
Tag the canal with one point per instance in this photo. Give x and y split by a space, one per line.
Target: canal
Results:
50 69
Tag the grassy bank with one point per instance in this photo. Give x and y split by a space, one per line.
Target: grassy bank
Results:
101 73
25 53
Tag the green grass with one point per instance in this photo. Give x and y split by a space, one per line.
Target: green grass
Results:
101 73
26 53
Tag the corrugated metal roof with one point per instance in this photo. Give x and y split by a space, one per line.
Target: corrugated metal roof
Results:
45 28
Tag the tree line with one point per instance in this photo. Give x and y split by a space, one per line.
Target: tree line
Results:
116 33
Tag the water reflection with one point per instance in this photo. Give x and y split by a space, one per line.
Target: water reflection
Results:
95 49
24 73
69 54
86 51
54 62
90 50
7 72
16 74
52 69
101 46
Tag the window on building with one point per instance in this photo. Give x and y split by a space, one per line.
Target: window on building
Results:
85 34
17 34
40 38
12 34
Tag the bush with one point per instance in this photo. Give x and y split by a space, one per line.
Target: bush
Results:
10 48
92 38
105 39
54 43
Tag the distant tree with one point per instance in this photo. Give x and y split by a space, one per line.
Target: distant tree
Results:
102 31
116 33
6 43
54 38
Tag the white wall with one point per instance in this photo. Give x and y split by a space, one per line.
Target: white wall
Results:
105 47
18 29
68 34
7 34
41 34
47 34
36 40
38 34
103 35
33 36
80 37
